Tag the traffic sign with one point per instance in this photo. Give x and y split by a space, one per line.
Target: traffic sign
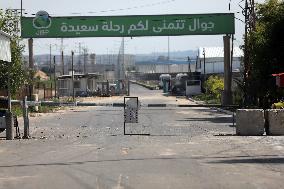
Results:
45 26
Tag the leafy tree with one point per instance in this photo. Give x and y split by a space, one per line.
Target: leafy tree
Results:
14 70
266 57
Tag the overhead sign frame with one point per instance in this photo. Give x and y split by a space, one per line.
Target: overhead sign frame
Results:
44 26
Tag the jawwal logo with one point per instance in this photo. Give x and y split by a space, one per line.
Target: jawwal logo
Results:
42 20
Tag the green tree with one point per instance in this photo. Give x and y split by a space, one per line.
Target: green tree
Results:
14 70
266 57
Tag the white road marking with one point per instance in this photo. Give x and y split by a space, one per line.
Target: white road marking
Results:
15 178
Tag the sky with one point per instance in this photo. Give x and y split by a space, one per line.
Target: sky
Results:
136 45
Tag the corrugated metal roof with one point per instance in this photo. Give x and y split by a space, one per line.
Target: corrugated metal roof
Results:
215 52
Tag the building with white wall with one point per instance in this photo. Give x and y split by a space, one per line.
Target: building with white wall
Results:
214 60
5 48
172 66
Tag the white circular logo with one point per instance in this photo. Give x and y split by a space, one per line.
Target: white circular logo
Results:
42 20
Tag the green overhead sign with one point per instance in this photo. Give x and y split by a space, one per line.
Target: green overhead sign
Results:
44 26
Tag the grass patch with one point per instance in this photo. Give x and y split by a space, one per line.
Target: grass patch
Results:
46 109
17 110
208 99
149 85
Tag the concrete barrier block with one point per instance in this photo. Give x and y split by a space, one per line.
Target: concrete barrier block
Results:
250 122
275 119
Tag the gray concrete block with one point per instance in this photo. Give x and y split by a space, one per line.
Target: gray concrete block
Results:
250 122
275 119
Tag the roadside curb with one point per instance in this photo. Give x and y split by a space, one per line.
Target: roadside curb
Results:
144 85
223 111
213 108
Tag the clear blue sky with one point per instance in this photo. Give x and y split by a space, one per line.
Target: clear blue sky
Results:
136 45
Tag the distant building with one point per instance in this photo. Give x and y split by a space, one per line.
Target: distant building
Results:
83 83
129 60
171 66
214 60
89 63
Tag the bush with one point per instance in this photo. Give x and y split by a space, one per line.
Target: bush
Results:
214 85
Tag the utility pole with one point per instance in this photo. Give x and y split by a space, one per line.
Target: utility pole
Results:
54 67
50 64
196 62
246 60
85 53
122 66
62 56
50 60
72 70
204 71
80 57
62 61
189 68
249 13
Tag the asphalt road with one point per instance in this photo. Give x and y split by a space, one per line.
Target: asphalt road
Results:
84 147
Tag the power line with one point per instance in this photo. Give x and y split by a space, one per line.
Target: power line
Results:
121 9
134 7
